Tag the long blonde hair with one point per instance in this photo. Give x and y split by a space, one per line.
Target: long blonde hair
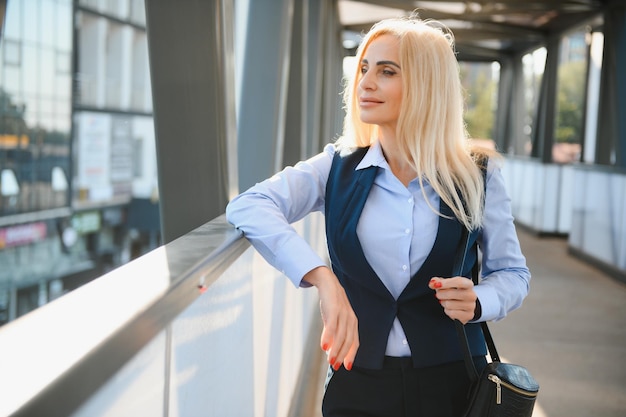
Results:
431 130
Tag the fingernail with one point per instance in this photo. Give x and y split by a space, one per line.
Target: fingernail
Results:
337 366
348 366
437 284
325 347
332 361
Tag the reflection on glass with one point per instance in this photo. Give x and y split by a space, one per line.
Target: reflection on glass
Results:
72 125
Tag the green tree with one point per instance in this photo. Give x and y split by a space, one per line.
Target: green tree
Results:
570 101
479 115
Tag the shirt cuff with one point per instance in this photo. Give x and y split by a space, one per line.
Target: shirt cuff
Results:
295 258
488 302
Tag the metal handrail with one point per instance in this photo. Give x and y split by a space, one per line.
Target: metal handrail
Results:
53 359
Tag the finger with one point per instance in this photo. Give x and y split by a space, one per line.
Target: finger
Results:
326 340
347 333
435 283
461 310
333 336
450 283
334 354
461 315
459 282
349 359
351 343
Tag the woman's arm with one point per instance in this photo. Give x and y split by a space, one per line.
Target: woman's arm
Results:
505 275
264 214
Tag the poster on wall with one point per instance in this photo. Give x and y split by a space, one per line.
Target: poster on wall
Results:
104 157
93 141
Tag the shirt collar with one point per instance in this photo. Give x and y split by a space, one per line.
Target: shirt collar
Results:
373 157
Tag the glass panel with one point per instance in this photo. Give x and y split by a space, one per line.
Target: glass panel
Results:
63 26
31 31
12 53
47 10
47 72
31 68
89 57
480 82
74 243
12 28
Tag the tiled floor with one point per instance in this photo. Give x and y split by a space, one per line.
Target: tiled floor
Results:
570 332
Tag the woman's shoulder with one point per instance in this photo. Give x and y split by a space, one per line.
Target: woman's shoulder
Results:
487 159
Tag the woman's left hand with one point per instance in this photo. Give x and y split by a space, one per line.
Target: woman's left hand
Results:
457 297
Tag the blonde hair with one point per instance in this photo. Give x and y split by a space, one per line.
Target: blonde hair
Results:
431 130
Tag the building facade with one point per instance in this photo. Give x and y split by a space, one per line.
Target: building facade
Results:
78 195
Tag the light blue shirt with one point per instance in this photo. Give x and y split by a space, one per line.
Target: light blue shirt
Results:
397 230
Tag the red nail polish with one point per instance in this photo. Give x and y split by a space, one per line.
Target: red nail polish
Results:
437 284
332 361
348 366
325 347
337 366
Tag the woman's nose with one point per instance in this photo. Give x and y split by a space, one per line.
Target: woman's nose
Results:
367 81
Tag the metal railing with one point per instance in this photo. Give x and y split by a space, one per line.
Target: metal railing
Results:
187 327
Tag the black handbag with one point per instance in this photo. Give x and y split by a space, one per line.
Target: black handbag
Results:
501 389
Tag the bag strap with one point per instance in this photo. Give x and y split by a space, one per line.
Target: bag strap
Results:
460 328
459 260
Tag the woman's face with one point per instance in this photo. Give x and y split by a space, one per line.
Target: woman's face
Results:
380 86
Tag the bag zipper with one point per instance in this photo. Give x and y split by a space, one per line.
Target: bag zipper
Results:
496 380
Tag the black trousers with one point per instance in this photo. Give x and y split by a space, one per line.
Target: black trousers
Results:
399 390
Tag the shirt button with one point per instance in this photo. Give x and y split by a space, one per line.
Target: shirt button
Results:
405 342
410 200
407 231
404 267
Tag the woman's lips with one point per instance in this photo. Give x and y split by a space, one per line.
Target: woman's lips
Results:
368 102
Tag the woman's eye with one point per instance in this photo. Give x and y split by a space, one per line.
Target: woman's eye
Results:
363 70
389 72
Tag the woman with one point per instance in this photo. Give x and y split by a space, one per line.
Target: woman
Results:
397 189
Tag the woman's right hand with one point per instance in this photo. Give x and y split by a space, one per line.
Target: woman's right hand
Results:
340 337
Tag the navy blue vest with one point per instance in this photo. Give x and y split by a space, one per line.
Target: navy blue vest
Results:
430 333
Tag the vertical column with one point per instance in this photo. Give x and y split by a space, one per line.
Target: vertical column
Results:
510 111
262 106
505 91
543 133
295 120
192 74
592 100
611 137
332 116
3 11
317 9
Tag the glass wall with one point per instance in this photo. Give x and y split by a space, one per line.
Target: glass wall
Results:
78 190
35 106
